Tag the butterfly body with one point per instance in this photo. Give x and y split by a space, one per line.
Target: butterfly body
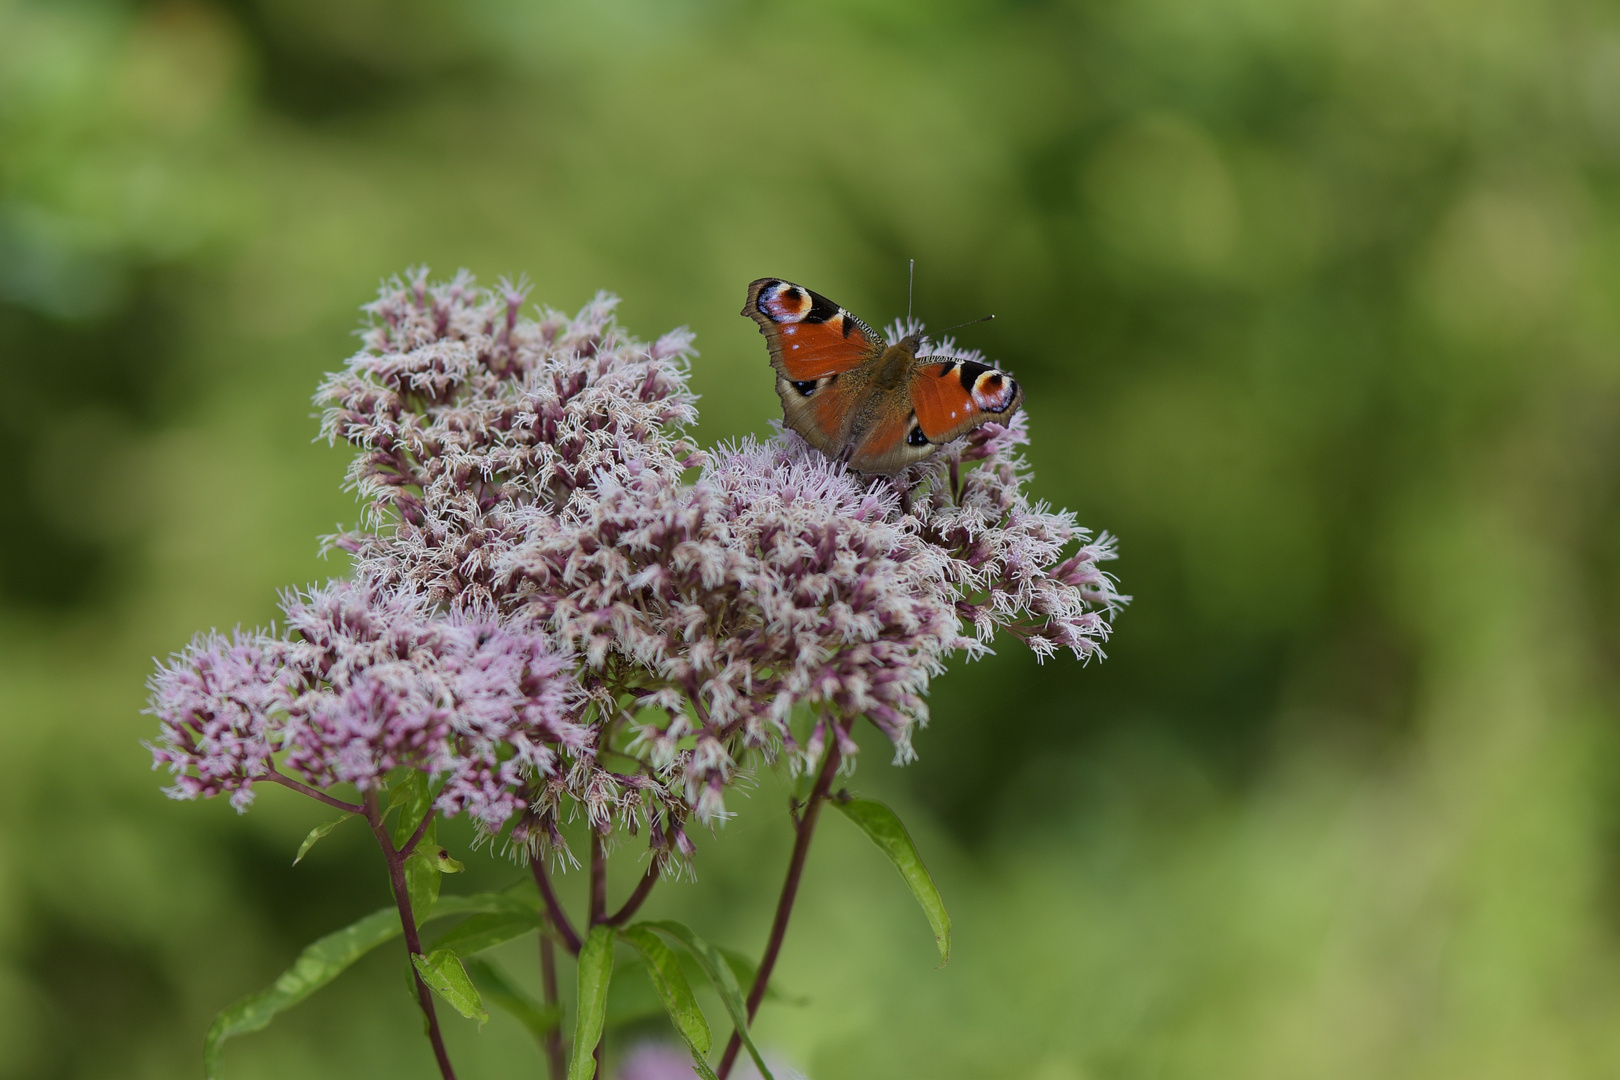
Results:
879 407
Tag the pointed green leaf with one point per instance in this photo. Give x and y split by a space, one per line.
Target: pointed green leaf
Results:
486 931
319 963
541 1020
518 899
886 831
664 969
315 834
325 959
725 983
512 901
595 975
441 969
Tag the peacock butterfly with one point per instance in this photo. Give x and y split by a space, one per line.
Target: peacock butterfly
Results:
858 399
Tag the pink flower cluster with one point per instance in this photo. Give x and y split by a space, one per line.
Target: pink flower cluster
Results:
640 636
363 682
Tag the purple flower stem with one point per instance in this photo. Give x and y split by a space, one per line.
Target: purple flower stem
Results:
407 921
548 985
319 796
598 910
559 919
645 886
598 880
804 826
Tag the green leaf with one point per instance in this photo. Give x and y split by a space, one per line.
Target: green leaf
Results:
886 831
315 834
725 983
422 874
595 975
325 959
441 969
541 1020
319 963
486 931
519 899
414 797
664 969
745 969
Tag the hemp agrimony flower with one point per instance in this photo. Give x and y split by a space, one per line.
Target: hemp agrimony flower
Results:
562 610
362 683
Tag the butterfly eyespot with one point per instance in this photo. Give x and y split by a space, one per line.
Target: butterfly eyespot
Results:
785 303
916 437
805 389
993 392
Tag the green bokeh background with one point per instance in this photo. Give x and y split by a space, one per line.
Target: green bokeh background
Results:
1315 305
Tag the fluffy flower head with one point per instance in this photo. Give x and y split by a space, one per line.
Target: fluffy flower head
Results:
563 609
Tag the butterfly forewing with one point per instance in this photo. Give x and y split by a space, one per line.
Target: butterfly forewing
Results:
810 337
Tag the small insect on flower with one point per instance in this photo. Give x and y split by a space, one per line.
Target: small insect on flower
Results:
876 404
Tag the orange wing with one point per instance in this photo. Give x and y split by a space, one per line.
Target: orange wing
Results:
809 336
884 448
952 397
821 410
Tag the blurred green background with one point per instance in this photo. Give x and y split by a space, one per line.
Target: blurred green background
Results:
1315 305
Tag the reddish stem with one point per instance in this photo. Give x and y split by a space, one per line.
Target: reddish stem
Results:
421 831
643 888
407 920
804 826
598 879
548 984
559 918
314 793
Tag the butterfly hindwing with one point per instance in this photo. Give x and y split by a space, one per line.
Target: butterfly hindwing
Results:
952 397
891 440
809 336
821 410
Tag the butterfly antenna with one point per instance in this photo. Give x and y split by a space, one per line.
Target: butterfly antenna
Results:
911 286
970 322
